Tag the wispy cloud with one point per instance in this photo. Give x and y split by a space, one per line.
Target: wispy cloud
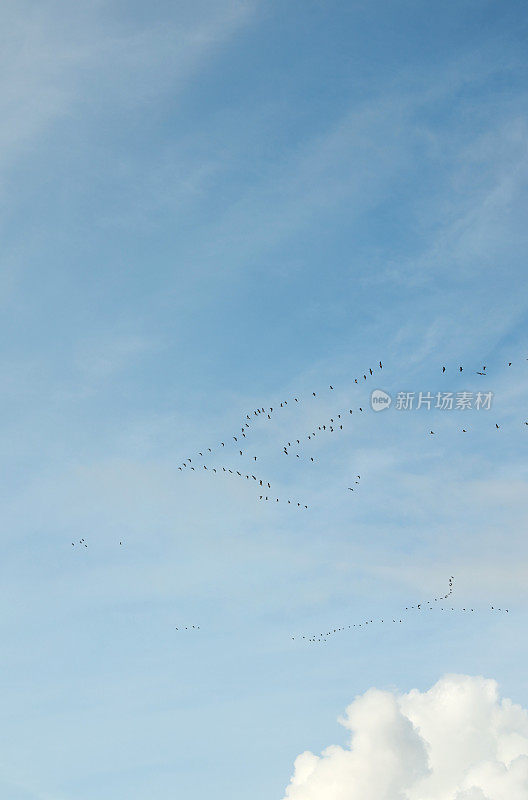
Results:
57 58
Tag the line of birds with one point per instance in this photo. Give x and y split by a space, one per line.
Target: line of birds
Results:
261 483
423 606
482 369
466 430
322 636
277 499
228 470
333 424
189 628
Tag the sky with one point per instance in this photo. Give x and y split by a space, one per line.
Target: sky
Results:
212 207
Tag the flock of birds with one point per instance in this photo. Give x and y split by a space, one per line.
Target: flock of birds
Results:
332 424
428 605
293 447
483 373
240 439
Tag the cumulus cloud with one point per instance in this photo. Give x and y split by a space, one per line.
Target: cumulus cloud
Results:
457 741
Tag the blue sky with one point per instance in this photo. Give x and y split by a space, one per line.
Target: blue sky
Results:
209 207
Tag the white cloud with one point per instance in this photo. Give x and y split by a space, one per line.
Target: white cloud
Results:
457 741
